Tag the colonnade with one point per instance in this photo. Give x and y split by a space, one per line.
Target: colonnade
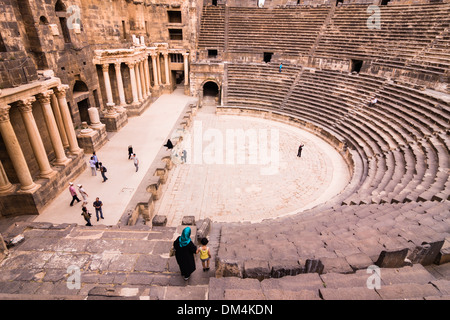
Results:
61 133
142 80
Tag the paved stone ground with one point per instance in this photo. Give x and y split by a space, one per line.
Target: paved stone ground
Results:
147 133
209 185
113 263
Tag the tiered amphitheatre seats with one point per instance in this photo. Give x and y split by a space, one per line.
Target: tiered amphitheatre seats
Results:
397 139
404 33
291 31
341 238
259 84
212 27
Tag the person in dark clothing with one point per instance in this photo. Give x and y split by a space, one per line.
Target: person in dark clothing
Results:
130 151
184 253
169 144
300 148
103 171
87 216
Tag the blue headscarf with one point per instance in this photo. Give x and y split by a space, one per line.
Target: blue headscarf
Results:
185 237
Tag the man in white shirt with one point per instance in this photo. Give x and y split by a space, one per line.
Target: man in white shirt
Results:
136 161
93 166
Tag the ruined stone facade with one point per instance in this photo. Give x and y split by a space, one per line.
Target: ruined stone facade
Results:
72 70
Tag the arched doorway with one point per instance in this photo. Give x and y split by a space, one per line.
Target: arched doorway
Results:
211 92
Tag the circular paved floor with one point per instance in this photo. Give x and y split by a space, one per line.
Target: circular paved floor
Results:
267 180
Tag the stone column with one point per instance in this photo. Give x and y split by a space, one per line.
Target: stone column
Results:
120 84
67 119
155 71
44 100
142 74
15 152
186 68
95 118
26 111
59 121
133 82
166 67
109 96
5 185
138 81
158 65
147 75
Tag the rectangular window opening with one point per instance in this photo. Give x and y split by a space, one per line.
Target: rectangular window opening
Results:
175 34
212 53
174 16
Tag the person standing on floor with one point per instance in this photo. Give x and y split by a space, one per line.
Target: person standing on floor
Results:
87 216
103 171
205 254
281 66
130 151
300 148
73 193
98 208
93 166
136 161
83 194
184 253
95 159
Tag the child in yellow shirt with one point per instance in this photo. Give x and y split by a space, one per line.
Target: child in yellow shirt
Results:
205 254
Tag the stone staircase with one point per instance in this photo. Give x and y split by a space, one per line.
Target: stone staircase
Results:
411 282
114 262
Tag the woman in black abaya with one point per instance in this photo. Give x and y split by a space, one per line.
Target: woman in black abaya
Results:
184 253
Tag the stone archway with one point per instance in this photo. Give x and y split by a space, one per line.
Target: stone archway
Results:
210 92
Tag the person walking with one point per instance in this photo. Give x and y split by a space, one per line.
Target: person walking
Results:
93 166
136 161
130 151
103 171
84 195
73 193
300 148
98 208
87 216
184 253
205 254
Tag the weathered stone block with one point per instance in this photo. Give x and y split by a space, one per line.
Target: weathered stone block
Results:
257 269
426 253
203 230
159 220
314 266
392 259
285 268
188 221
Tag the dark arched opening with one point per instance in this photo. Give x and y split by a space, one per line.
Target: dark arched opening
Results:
210 89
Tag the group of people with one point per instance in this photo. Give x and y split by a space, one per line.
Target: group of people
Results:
96 165
185 250
98 204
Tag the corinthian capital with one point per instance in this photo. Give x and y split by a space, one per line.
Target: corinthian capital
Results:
26 105
4 113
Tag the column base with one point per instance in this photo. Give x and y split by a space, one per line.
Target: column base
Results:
115 122
29 189
7 189
61 163
47 175
93 140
